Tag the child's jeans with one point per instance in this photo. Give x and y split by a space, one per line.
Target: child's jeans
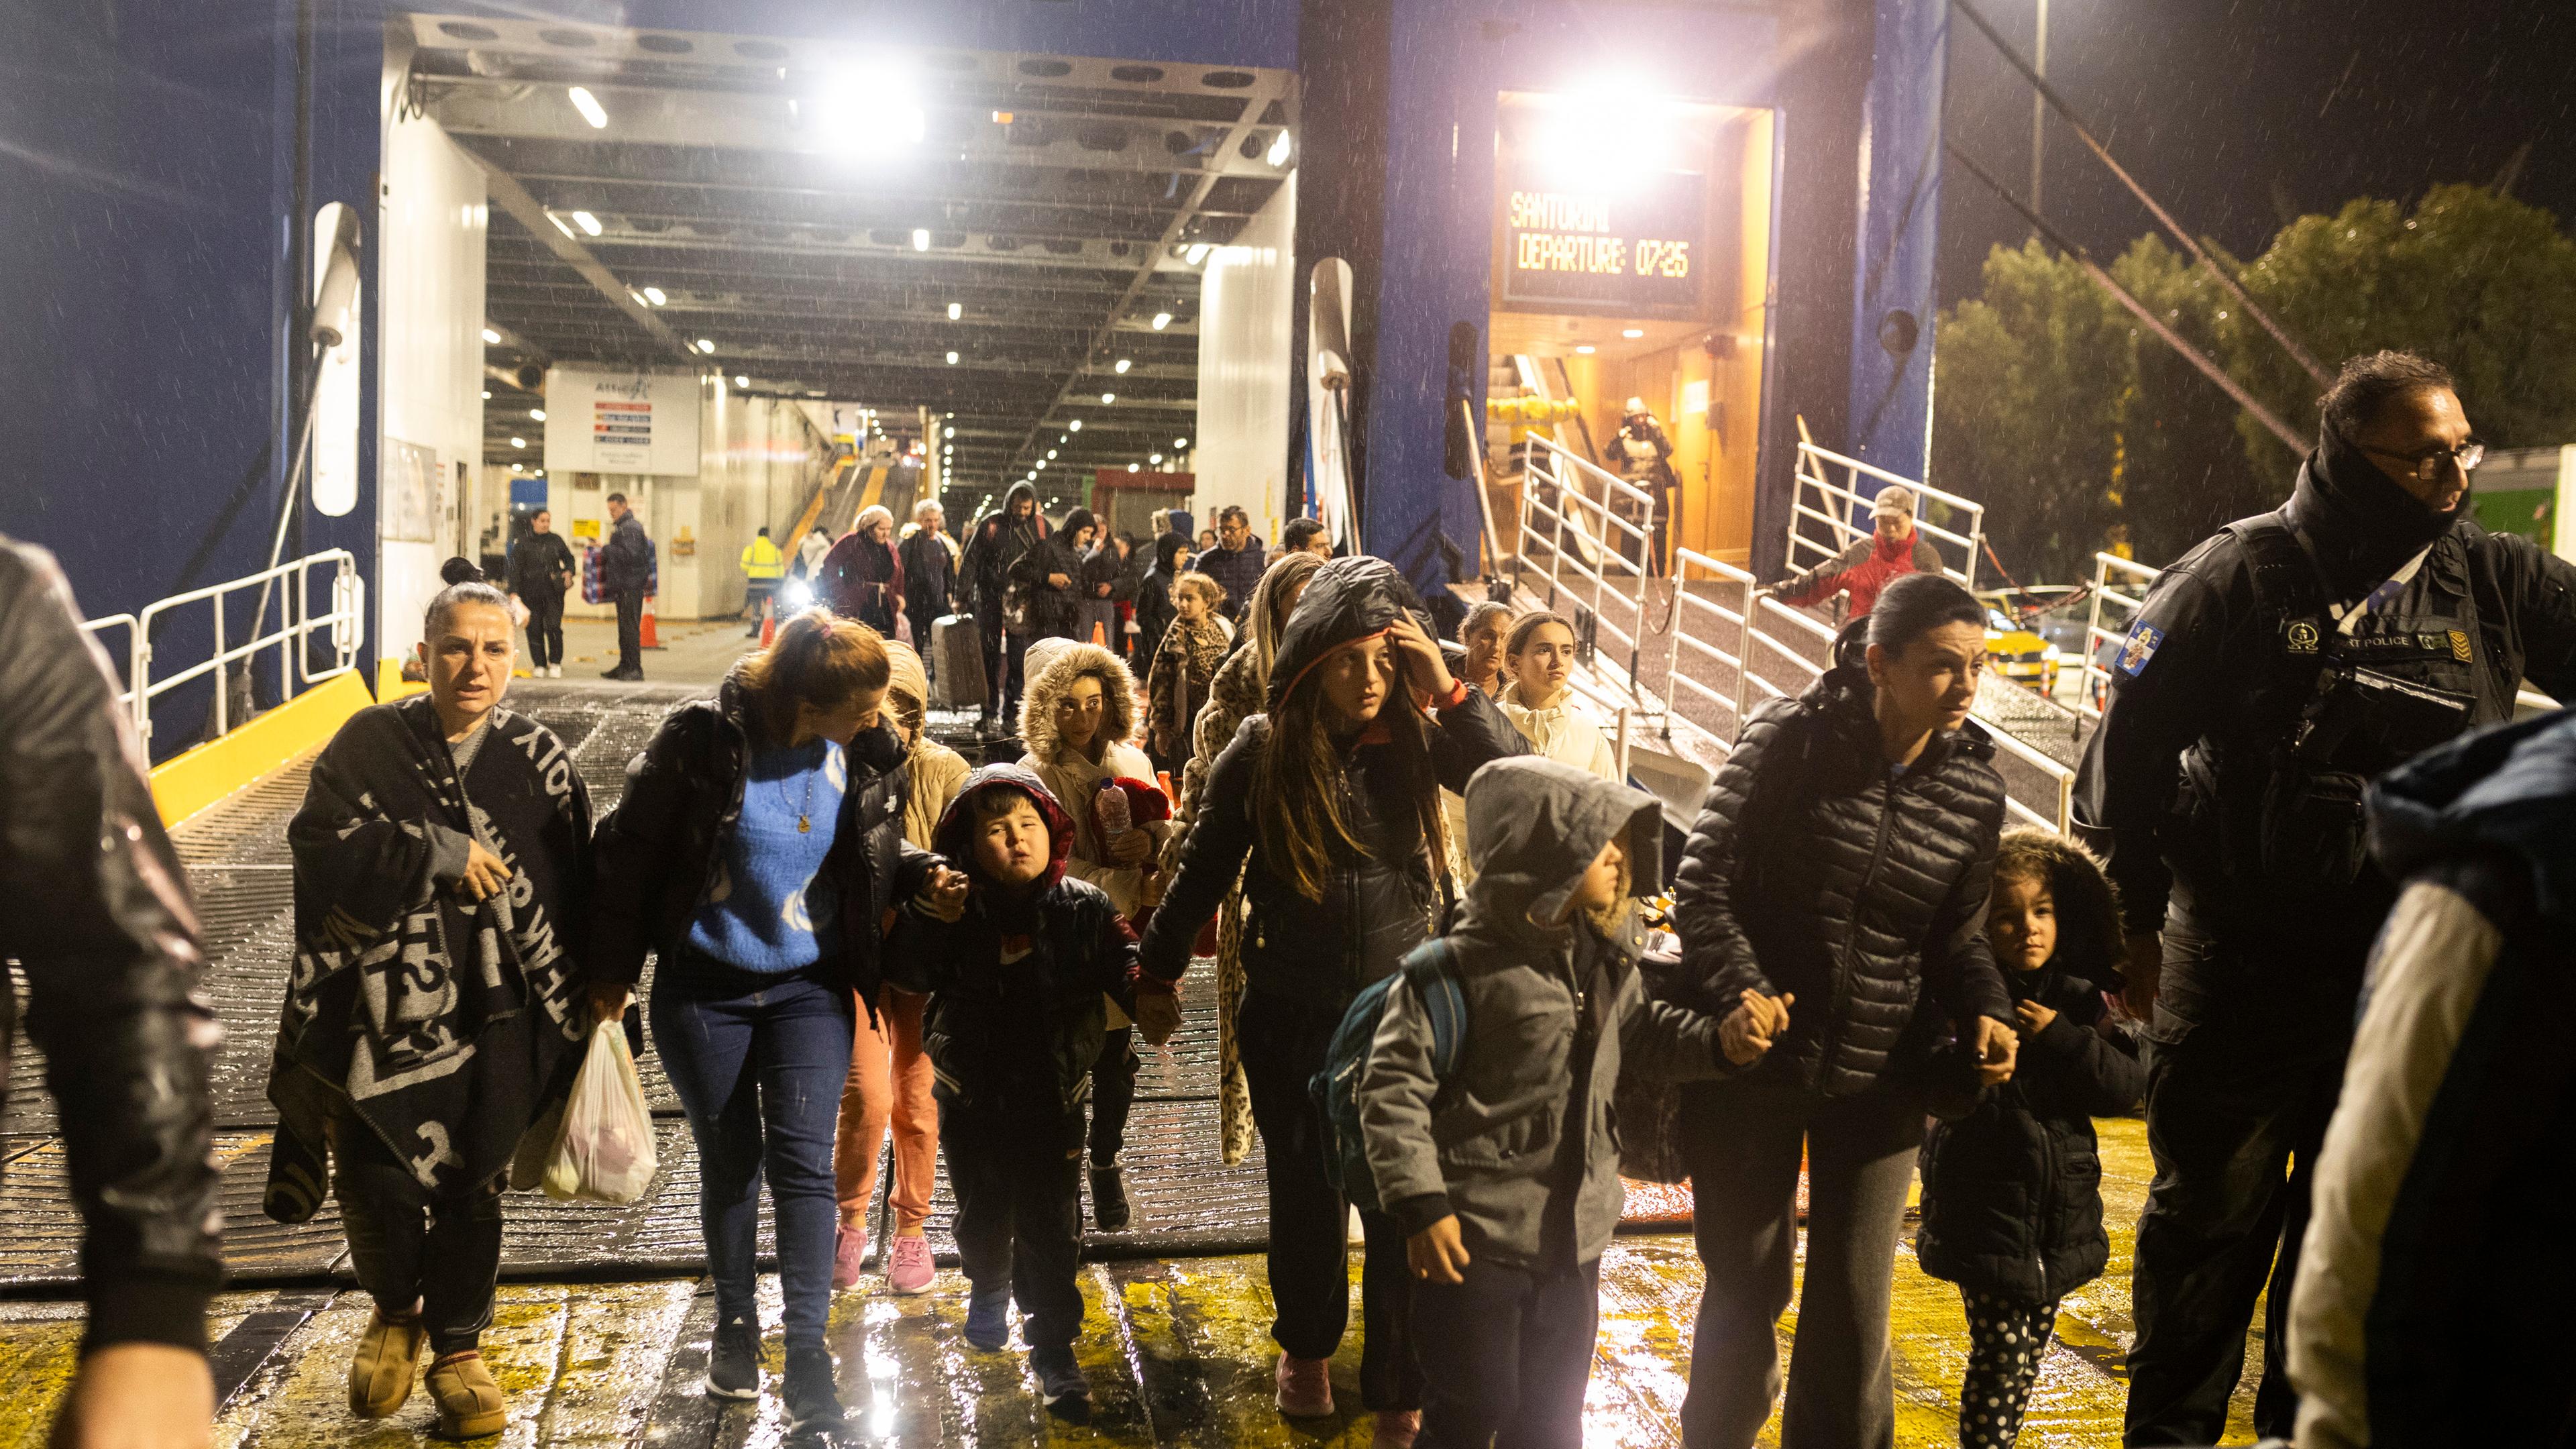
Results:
2006 1342
1019 1212
1506 1353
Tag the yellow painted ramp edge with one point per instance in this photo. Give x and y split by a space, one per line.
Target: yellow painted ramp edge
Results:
188 783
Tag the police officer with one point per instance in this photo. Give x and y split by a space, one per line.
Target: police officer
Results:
2283 663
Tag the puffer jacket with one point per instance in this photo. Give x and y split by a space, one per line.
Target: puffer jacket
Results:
997 546
1018 1038
100 919
2012 1192
1815 869
1380 901
1554 1015
1073 777
657 854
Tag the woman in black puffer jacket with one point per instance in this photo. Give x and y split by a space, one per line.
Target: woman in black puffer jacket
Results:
1840 869
1328 809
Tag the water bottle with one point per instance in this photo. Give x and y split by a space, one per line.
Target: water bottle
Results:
1109 810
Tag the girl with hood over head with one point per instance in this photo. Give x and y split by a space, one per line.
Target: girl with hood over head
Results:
1235 695
1327 807
1835 881
1154 607
1503 1171
1003 538
1079 723
889 1081
1050 577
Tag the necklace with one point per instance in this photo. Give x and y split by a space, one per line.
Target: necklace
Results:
804 811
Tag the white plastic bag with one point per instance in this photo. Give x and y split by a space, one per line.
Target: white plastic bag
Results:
604 1150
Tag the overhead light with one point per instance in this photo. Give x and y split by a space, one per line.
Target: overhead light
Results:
952 432
1583 349
559 223
952 359
1108 397
921 238
1121 366
739 380
1153 457
1039 464
1278 153
1162 320
492 339
1075 425
1000 118
1180 442
1134 467
638 296
487 394
1050 452
538 413
518 467
955 311
706 344
1196 254
1632 333
588 104
518 442
656 296
870 109
586 222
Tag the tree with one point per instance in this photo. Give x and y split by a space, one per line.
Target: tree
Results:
2183 469
2481 283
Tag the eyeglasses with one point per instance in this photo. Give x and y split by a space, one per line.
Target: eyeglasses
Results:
2427 467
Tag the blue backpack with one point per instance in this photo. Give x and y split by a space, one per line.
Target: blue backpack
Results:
1430 967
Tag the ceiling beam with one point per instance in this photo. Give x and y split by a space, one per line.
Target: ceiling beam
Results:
514 199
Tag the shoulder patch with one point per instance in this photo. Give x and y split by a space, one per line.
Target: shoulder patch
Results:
2143 639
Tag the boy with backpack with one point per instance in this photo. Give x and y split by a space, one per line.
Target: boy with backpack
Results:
1015 1020
1483 1096
2012 1180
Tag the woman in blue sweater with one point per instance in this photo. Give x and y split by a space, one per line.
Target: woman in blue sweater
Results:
756 852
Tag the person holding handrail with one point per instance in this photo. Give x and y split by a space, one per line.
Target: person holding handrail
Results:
1894 549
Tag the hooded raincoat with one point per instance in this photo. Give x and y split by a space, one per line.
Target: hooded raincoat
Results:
1520 1140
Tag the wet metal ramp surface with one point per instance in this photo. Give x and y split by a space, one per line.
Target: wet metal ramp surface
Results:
1184 1200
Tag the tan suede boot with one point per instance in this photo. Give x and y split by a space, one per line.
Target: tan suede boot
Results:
385 1366
470 1405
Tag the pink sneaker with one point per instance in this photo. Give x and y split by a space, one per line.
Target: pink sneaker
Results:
911 1270
1396 1429
848 1255
1305 1387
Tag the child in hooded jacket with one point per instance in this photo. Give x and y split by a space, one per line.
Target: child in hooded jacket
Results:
1504 1173
1019 992
2012 1199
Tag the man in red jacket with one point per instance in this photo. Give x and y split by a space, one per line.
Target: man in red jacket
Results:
1865 567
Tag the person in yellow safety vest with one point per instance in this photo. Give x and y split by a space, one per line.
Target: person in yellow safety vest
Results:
763 567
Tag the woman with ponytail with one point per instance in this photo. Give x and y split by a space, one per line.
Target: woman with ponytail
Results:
1327 807
757 852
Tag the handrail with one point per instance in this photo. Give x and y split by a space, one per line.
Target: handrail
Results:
133 632
1571 483
2097 680
1812 461
297 623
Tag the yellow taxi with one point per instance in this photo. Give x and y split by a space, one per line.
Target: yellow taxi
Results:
2018 653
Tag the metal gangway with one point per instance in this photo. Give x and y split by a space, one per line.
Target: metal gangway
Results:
339 617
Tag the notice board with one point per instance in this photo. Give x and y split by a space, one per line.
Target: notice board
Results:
621 422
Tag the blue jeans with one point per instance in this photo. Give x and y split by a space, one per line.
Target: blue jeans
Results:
758 1060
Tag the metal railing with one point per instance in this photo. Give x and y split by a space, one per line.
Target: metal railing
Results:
124 675
2121 584
297 623
1585 536
1840 506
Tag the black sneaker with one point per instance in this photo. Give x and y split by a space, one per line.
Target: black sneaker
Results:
813 1402
988 1318
1108 1199
733 1363
1061 1384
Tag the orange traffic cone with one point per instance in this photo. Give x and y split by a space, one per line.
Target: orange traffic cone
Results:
1164 779
649 638
1099 634
768 622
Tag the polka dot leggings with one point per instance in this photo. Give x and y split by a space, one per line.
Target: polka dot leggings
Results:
2007 1340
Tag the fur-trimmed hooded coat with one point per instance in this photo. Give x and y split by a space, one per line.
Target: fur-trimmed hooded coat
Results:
1074 777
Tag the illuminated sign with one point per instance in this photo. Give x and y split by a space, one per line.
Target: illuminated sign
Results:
1636 250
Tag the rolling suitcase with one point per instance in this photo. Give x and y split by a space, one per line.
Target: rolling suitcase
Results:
957 649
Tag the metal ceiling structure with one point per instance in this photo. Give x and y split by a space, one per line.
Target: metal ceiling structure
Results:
1005 240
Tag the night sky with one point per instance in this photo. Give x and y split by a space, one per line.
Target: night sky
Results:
2226 109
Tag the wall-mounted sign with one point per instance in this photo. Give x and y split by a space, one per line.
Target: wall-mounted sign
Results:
621 422
1636 249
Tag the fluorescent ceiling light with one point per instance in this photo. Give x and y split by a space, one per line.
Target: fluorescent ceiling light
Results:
487 394
921 238
1180 442
1122 366
1075 425
1050 452
518 442
1632 333
1583 349
1278 153
952 359
656 296
1108 397
1162 320
1153 457
538 413
952 432
1196 254
494 339
955 311
740 380
559 223
1133 467
586 222
588 104
706 344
